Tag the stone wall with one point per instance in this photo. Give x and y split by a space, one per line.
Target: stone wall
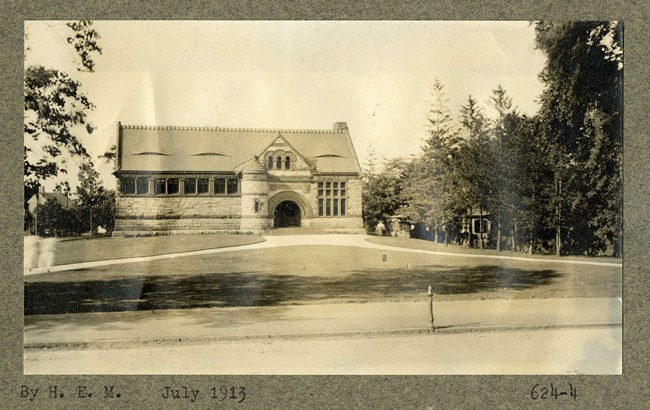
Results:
335 224
153 214
198 213
355 187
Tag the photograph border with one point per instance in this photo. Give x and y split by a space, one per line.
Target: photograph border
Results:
626 391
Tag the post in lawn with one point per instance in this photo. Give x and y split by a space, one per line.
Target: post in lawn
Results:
430 294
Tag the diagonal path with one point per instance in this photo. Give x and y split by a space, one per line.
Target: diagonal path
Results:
300 240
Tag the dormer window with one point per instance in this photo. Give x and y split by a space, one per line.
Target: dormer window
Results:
270 165
287 163
279 162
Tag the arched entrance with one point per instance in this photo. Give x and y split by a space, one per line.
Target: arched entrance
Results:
287 214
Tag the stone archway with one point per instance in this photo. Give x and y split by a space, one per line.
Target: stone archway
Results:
287 214
290 196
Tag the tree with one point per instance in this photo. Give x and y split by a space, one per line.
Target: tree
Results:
51 217
382 192
427 189
503 183
90 193
56 112
105 210
581 113
109 156
473 172
55 220
84 40
54 105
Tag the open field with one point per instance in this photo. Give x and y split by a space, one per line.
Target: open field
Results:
308 274
409 243
74 250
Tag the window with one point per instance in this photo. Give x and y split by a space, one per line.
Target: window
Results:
226 186
165 186
202 185
287 163
279 162
270 164
232 186
172 186
127 186
258 206
480 226
142 186
220 186
190 186
159 186
331 198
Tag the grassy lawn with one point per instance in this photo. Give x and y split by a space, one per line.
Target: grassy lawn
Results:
402 242
102 248
307 274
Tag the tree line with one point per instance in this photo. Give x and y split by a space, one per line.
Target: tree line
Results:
549 183
55 116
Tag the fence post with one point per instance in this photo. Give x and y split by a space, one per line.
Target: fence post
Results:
430 294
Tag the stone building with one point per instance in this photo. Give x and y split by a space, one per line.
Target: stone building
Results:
198 179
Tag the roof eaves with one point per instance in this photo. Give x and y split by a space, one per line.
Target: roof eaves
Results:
228 129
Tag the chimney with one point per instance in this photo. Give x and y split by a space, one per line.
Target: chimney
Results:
340 127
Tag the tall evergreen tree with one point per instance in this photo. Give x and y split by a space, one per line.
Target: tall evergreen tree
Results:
502 104
473 172
428 186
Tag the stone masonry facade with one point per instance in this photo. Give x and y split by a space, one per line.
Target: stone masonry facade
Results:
274 188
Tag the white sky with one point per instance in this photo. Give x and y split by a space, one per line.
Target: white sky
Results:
261 74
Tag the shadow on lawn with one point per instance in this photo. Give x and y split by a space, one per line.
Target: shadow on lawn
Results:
254 289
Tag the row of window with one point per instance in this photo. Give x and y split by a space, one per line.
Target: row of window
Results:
331 195
278 162
171 186
331 198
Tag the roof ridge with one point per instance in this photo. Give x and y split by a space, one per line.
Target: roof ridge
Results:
230 129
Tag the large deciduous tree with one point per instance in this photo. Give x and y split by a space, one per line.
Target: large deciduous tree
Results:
56 113
581 112
382 192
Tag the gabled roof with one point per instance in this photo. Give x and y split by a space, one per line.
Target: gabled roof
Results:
65 201
280 140
252 166
217 149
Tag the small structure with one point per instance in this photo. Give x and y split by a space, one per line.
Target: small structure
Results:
184 179
477 224
41 198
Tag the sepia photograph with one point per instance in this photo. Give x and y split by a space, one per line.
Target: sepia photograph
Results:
323 198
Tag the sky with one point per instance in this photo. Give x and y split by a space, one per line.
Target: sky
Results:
374 75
